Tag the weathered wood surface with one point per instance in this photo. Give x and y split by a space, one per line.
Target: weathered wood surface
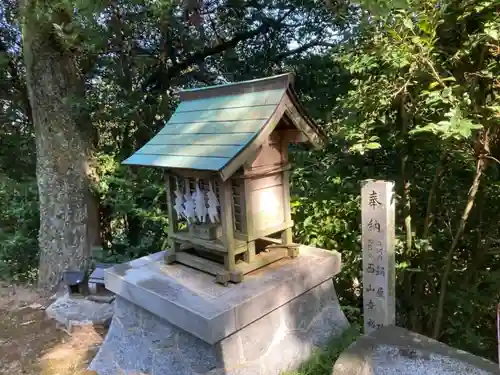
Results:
231 139
209 128
205 151
226 217
250 99
198 162
240 113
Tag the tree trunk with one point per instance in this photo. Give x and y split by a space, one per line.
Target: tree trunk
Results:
405 182
458 235
432 194
419 294
479 252
68 212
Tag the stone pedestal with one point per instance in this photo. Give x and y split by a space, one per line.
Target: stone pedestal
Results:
170 319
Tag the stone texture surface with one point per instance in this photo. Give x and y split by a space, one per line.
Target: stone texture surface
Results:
191 300
79 311
395 351
378 236
139 342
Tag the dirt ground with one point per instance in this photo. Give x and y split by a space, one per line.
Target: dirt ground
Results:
30 343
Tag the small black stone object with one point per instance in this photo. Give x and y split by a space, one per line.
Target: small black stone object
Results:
75 280
97 276
96 280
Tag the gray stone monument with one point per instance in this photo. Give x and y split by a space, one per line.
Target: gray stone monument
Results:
175 320
378 237
395 351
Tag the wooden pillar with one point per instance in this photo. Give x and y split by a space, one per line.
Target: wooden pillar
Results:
249 255
287 234
226 214
172 220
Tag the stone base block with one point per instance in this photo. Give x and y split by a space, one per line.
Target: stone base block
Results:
171 319
71 312
140 342
396 351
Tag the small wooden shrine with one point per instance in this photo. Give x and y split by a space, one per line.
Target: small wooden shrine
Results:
225 155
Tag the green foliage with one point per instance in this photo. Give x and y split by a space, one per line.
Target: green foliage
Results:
133 217
422 93
321 362
325 206
18 229
454 126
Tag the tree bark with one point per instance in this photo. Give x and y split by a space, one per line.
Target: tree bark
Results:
481 164
405 183
432 194
478 253
68 212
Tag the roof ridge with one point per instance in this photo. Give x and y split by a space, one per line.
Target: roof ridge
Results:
256 80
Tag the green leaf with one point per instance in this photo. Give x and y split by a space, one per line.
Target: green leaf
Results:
373 146
414 270
430 128
424 26
408 23
446 92
433 84
416 40
492 33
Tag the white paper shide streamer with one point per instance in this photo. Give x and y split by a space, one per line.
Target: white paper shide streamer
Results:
200 203
179 202
197 207
213 204
189 204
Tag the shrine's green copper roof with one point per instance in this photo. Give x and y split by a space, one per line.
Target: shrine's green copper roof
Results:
211 126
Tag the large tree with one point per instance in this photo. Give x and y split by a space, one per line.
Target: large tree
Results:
68 221
129 57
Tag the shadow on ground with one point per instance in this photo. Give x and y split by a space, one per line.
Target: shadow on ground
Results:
31 344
